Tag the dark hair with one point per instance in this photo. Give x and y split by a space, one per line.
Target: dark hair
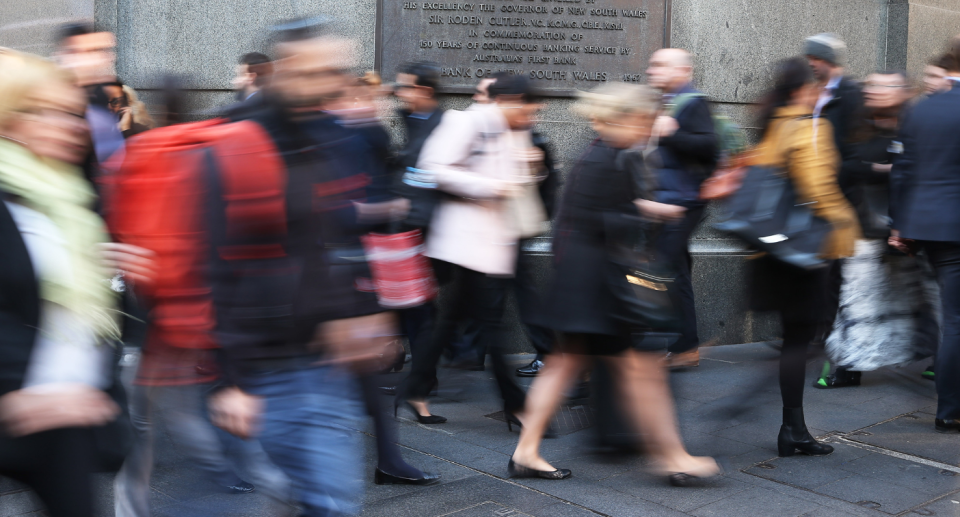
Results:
71 29
953 55
173 99
505 83
299 29
943 61
426 72
259 65
789 76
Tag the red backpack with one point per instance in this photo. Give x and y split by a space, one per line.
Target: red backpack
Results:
157 201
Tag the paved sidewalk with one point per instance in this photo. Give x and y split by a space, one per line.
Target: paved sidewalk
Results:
888 459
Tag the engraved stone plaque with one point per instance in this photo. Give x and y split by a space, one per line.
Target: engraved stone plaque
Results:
561 45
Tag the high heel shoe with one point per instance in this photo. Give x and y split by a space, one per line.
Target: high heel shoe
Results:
683 479
515 470
432 419
549 434
794 436
382 478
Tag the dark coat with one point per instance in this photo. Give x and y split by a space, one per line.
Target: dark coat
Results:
19 305
845 111
926 177
689 156
600 189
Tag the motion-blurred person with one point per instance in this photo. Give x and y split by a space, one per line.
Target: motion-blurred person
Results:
926 215
482 94
840 102
803 147
56 357
91 57
177 361
687 152
292 321
523 284
888 310
935 75
252 75
485 159
131 114
608 182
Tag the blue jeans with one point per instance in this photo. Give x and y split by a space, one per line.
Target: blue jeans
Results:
310 430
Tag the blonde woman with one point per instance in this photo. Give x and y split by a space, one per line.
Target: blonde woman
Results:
580 305
56 307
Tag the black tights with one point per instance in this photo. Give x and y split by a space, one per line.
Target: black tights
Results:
793 361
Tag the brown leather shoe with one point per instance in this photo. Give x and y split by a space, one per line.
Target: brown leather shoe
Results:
683 360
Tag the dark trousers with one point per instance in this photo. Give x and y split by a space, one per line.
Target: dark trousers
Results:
674 244
527 294
478 296
945 259
58 465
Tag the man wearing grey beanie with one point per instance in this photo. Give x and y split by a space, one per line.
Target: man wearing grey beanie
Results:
841 103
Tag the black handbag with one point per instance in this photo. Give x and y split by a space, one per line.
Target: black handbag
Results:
638 277
873 211
765 213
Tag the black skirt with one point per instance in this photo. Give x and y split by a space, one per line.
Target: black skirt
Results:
798 295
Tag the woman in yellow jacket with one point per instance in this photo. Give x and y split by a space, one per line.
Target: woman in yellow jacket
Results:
802 147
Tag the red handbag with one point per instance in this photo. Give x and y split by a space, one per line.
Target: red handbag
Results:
401 272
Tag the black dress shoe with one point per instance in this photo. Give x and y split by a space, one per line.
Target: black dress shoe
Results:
519 471
382 478
430 419
241 487
530 370
947 426
794 436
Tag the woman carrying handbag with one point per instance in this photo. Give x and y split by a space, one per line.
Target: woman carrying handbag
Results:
801 148
582 306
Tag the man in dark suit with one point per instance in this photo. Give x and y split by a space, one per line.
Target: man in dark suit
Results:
925 209
688 152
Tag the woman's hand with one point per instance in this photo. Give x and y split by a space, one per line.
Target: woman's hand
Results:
137 264
236 412
28 411
900 244
126 118
660 211
882 168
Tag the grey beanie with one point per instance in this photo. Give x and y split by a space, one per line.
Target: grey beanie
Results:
827 46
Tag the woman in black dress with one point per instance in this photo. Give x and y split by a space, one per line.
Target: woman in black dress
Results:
580 305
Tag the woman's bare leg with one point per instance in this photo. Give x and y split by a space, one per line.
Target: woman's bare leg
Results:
649 404
545 395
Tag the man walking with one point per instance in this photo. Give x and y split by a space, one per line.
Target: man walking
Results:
688 152
926 215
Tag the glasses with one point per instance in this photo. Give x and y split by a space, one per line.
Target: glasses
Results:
889 86
117 102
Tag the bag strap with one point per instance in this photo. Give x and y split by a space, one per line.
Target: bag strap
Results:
253 188
683 100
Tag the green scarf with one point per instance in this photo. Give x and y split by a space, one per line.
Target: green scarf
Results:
58 191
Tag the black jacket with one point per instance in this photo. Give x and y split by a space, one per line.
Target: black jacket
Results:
19 305
845 111
925 180
551 184
689 156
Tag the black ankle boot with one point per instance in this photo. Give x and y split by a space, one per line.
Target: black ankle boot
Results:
795 438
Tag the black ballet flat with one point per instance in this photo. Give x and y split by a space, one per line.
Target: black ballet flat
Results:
512 420
382 478
684 480
432 419
519 471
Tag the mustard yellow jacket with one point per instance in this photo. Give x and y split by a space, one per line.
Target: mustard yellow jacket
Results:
804 147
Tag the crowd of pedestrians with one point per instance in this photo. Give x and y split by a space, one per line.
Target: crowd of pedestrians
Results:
272 262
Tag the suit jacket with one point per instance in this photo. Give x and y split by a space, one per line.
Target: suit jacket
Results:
926 178
812 167
471 157
689 156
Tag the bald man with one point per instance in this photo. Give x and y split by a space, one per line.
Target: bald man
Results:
688 150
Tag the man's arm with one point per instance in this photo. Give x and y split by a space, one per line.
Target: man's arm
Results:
695 137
